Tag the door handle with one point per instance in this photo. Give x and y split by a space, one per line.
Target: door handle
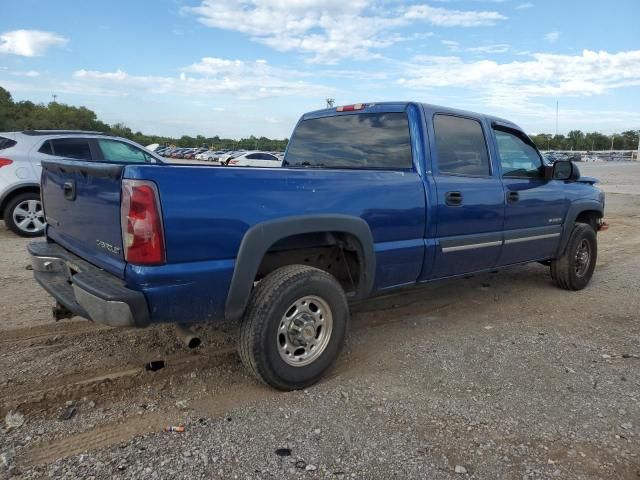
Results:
453 199
69 189
513 197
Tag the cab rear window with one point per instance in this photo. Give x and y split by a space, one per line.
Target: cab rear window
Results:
365 140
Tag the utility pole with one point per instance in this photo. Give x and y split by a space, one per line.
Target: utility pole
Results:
556 117
611 150
54 97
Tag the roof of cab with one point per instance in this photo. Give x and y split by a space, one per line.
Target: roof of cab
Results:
373 107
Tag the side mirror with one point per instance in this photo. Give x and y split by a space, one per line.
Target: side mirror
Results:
565 170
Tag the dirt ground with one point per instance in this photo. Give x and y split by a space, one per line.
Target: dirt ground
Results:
494 376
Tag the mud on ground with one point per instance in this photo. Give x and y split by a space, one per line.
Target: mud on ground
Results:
495 376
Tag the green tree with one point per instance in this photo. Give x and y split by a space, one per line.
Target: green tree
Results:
6 109
575 140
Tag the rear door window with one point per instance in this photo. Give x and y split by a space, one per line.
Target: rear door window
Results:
120 152
76 148
365 140
461 146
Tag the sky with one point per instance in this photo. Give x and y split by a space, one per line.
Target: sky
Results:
240 67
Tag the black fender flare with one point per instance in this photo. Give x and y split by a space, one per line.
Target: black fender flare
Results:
259 238
574 210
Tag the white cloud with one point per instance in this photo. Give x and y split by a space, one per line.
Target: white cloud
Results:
451 45
552 37
328 31
26 73
494 48
454 46
525 5
29 43
209 76
591 73
443 17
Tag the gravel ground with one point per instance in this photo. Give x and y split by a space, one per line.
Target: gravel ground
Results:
494 376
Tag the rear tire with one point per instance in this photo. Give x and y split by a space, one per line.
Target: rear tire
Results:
24 215
574 269
294 327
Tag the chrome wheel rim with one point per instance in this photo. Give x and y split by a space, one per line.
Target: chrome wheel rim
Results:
29 216
304 331
582 258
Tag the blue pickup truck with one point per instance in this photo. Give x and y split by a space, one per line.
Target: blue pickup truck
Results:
370 198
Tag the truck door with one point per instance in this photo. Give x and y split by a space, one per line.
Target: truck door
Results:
535 207
470 197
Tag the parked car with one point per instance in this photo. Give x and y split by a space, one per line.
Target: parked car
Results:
181 153
371 197
191 154
211 156
254 159
229 155
21 154
167 152
178 152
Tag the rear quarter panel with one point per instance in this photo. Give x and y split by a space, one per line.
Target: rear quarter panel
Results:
208 210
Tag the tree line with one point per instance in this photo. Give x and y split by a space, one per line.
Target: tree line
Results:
578 140
26 115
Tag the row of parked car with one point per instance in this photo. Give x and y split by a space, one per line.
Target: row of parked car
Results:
239 158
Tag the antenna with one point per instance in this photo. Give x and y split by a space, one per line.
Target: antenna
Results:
330 102
54 97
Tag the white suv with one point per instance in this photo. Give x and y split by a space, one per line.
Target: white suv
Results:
21 154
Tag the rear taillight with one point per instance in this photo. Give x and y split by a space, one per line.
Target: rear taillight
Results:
141 217
233 162
5 161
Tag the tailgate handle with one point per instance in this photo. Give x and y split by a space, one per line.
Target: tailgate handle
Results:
69 189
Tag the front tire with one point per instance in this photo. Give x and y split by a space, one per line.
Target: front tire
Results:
574 269
294 327
24 215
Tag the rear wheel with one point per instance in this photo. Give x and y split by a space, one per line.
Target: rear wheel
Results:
24 215
294 327
574 269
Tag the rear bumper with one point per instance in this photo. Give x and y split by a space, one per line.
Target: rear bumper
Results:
86 290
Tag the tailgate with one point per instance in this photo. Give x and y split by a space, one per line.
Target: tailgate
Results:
82 208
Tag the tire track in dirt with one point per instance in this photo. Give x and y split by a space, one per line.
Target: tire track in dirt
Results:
106 435
50 331
44 397
99 437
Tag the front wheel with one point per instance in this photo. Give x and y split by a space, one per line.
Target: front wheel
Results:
24 215
574 269
294 327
